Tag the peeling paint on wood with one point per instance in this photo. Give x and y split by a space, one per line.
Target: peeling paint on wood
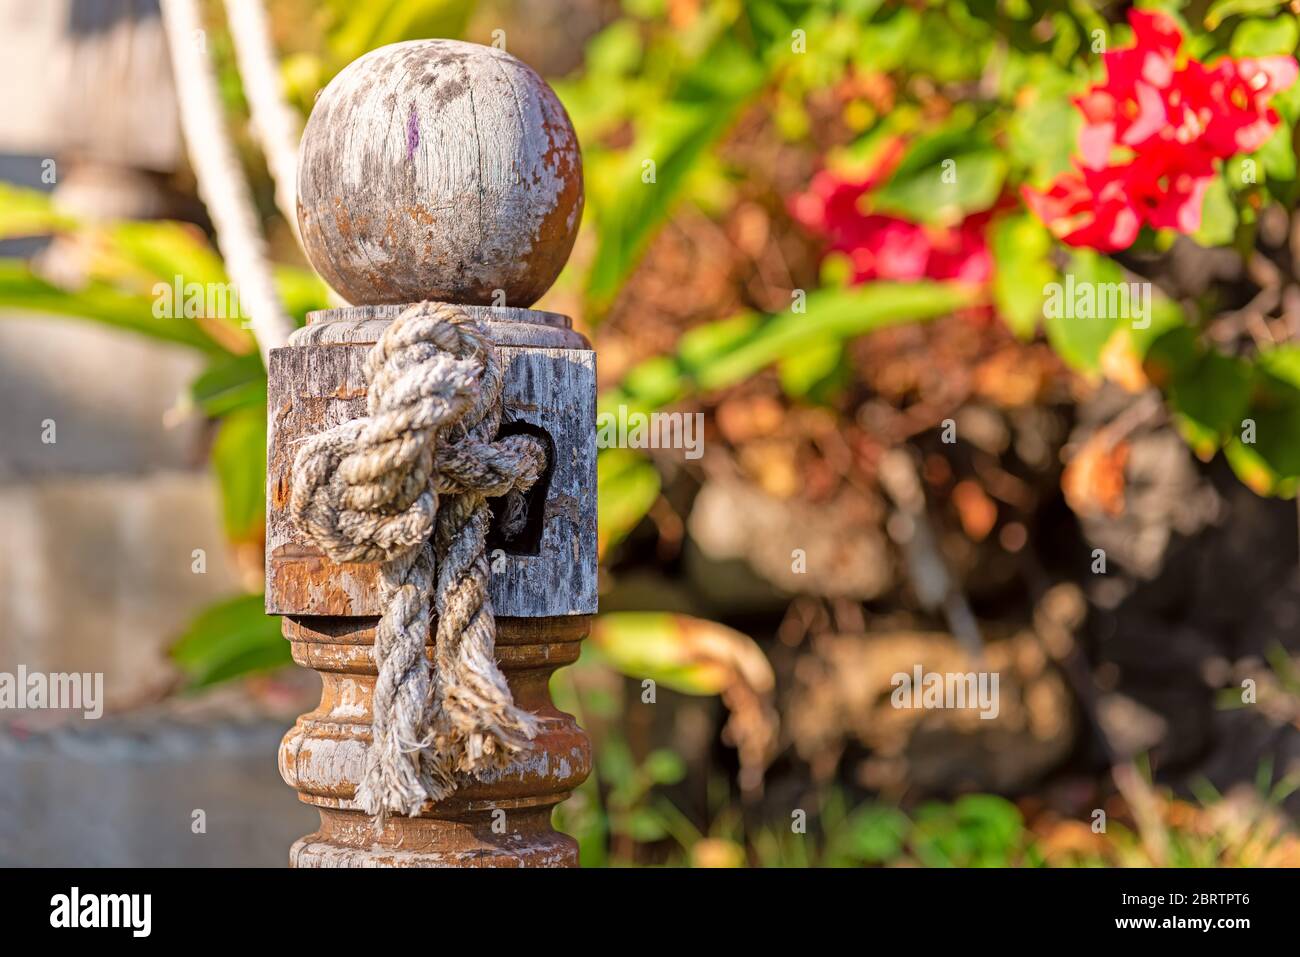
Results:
314 387
439 170
442 170
543 602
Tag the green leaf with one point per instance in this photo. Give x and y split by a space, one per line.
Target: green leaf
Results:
1270 464
890 40
627 485
169 252
686 654
229 639
1211 401
944 176
1220 10
1207 391
229 384
21 289
664 766
1043 128
1277 156
626 221
301 291
615 51
360 27
812 370
1218 215
1022 250
29 212
831 315
1255 38
978 830
644 825
876 834
1079 338
717 355
673 135
239 461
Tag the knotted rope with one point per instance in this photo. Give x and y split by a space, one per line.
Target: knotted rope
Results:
407 486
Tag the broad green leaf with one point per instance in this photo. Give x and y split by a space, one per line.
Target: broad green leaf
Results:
301 291
1211 401
686 654
20 289
652 383
1022 249
943 177
1043 133
627 485
239 461
1220 10
1207 391
230 639
1077 324
889 41
1257 473
361 27
1277 156
978 830
228 384
169 251
1264 438
722 354
832 315
874 834
811 369
1265 37
672 137
616 51
703 344
29 212
1218 215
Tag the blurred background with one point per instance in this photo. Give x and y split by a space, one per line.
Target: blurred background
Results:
904 462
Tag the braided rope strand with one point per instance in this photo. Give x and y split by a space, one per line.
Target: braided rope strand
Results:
407 486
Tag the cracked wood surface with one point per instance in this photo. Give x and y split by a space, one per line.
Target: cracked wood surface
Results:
437 169
314 386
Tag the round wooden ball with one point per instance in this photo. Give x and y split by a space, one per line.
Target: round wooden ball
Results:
441 170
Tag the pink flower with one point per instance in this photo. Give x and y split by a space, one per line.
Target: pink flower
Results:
1151 135
886 247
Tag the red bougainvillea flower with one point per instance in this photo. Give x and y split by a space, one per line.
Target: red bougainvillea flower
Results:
879 246
1151 135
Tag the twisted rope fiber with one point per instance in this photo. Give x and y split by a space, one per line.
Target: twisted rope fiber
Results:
407 486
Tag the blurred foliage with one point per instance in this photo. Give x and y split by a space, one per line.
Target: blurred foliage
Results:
229 639
623 815
980 84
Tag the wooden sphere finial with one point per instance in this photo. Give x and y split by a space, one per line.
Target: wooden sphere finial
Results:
441 170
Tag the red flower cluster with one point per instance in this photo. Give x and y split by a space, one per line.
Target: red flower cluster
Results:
885 247
1151 135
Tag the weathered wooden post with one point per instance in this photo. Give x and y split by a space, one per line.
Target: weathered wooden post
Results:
443 171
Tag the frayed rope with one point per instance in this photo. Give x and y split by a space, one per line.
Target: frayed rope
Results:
407 486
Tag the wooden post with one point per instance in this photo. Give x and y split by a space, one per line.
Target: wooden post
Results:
439 170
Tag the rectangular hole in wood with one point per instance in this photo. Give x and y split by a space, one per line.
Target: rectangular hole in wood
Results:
529 539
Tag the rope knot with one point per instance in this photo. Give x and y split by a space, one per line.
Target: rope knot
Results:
407 486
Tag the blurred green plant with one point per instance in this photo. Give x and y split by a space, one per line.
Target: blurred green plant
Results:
983 84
